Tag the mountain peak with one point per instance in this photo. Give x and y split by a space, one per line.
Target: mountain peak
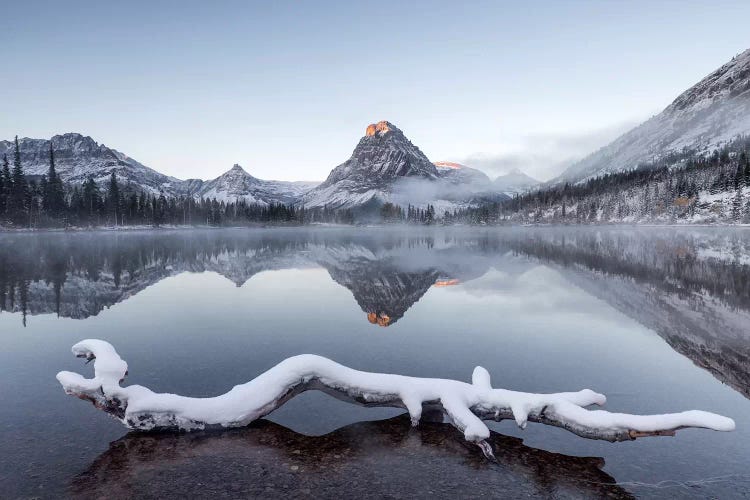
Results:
514 182
707 115
237 174
383 156
80 143
729 81
381 128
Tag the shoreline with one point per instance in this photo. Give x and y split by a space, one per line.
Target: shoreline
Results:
110 229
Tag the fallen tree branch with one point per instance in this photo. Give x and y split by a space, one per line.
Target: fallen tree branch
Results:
466 405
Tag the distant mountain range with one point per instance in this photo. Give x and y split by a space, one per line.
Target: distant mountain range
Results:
384 167
704 117
79 157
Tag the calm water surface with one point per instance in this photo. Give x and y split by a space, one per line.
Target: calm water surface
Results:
657 319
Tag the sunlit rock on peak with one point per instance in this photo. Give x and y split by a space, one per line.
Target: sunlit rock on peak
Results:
448 164
379 128
446 282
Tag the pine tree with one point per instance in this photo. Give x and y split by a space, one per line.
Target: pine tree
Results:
90 199
53 196
737 205
113 198
4 184
646 204
19 189
32 203
739 176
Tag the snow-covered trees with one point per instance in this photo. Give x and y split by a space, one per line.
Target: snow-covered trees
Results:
682 187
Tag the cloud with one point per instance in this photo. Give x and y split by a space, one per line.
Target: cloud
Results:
545 155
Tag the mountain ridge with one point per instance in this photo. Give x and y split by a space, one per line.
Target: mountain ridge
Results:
707 115
79 157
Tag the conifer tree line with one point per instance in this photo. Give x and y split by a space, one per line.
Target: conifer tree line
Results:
683 187
390 213
48 202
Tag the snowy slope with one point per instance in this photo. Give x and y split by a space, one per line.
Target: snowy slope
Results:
459 174
708 114
79 157
237 184
514 182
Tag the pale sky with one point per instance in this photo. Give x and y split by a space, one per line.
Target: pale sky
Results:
286 89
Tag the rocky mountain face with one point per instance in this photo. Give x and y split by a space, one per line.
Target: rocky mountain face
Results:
707 115
514 182
383 156
386 167
238 184
78 157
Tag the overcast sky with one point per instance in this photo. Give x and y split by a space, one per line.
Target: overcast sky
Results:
286 89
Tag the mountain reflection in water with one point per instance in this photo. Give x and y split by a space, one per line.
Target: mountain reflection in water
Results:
380 459
690 287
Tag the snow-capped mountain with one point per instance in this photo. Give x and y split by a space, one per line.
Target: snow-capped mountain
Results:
514 182
78 157
383 156
456 173
386 167
237 184
703 117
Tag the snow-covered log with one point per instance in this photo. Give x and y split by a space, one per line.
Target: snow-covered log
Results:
466 405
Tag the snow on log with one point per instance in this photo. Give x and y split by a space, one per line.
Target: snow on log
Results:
466 405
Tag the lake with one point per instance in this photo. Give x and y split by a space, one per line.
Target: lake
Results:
658 319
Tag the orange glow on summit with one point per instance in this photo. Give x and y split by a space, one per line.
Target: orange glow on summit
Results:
448 164
442 283
380 127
